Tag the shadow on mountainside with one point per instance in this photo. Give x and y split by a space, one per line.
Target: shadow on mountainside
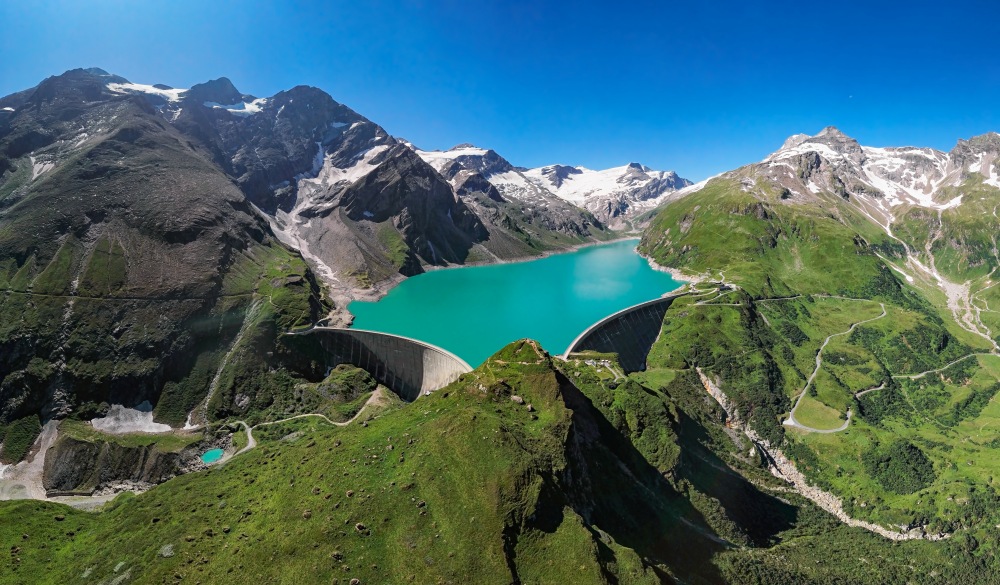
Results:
609 483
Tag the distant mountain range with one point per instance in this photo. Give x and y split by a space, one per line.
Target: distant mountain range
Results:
614 195
360 205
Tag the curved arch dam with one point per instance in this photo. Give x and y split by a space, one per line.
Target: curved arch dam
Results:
630 333
408 367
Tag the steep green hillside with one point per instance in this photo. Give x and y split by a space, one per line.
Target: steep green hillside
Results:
821 335
961 239
467 485
527 470
769 246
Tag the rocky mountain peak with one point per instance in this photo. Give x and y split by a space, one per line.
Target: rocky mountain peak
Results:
634 172
979 155
794 140
311 105
465 156
989 142
831 131
830 143
74 85
837 140
220 91
109 77
556 174
494 163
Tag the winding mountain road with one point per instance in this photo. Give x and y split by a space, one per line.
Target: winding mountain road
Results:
941 369
791 421
376 398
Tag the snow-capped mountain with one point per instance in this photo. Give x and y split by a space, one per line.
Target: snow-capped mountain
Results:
899 176
613 195
883 181
470 170
614 192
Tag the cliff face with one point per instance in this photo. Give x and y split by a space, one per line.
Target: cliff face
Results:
72 465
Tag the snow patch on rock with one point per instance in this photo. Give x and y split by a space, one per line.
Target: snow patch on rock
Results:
121 420
171 95
441 158
240 109
39 168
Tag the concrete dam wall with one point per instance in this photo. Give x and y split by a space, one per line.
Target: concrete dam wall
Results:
406 366
630 333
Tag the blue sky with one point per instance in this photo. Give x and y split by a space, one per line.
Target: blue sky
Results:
698 87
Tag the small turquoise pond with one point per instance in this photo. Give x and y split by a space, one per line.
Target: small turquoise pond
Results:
212 456
475 311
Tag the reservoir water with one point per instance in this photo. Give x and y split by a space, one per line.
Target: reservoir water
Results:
210 457
474 311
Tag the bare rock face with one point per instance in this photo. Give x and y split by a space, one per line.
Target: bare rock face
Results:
73 466
293 136
486 164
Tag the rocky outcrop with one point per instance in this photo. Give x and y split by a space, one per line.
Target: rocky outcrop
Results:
82 467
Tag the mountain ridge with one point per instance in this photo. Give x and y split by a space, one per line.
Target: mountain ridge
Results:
616 195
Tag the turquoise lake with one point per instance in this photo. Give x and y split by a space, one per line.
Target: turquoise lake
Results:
212 456
474 311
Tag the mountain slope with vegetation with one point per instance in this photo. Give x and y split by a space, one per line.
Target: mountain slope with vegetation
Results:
127 260
856 344
155 242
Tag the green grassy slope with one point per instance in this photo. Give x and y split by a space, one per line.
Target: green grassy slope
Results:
466 485
769 247
760 343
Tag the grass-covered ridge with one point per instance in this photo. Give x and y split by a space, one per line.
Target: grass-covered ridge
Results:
526 470
768 247
467 485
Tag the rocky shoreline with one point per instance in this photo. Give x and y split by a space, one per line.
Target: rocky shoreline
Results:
676 274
